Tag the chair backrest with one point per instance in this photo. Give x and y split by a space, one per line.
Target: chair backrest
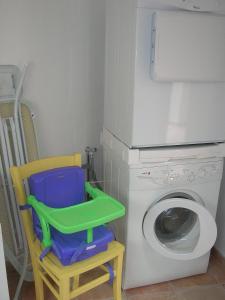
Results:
21 173
60 187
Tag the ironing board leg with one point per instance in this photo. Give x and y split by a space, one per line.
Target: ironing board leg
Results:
118 261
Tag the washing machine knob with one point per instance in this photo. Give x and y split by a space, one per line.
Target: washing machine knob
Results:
191 177
173 177
202 172
214 169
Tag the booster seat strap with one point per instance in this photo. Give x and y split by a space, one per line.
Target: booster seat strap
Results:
25 207
44 253
111 272
78 252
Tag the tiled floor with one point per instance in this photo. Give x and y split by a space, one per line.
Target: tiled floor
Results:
209 286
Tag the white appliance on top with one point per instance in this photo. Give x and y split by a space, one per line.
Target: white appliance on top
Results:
165 72
171 201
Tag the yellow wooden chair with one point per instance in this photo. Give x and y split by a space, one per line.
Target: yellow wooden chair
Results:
63 282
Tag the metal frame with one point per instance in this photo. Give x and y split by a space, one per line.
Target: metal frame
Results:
5 191
14 152
9 163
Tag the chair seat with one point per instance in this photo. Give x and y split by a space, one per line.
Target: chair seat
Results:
70 248
53 264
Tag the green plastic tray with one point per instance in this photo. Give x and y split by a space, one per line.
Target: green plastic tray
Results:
100 210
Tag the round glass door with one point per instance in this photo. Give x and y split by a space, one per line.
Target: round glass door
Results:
180 228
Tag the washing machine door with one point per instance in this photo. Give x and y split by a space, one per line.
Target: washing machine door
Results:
179 228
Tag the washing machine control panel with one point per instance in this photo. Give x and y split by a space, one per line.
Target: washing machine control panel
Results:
183 174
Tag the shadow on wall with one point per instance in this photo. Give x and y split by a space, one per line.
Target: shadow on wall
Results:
64 41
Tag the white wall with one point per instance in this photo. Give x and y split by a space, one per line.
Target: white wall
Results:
64 41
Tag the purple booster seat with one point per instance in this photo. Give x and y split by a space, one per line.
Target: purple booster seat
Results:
59 188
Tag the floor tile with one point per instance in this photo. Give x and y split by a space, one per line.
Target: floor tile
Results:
203 293
135 291
154 296
158 288
217 270
198 280
153 288
13 279
102 292
209 286
28 291
217 257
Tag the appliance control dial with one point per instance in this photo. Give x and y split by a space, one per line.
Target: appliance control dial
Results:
202 172
214 169
173 177
191 177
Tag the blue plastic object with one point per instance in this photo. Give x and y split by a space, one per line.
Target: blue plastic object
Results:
57 188
60 188
70 248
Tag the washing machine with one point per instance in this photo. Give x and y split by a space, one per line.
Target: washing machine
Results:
165 69
171 197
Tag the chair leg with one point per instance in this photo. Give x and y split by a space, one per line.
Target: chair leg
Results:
64 289
39 286
75 282
118 262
